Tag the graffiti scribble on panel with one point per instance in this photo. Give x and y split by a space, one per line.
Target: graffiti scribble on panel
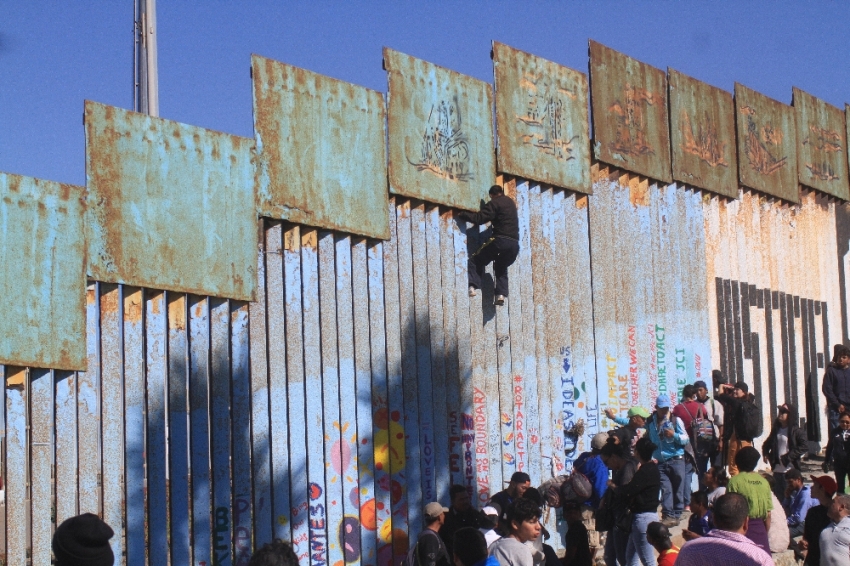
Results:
823 140
544 119
762 145
704 143
445 146
630 116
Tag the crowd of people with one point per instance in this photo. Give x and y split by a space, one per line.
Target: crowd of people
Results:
694 458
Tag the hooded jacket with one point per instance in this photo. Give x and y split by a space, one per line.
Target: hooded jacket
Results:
797 442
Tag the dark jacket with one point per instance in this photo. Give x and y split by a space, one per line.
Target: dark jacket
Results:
455 521
641 494
731 404
797 443
836 386
501 213
838 449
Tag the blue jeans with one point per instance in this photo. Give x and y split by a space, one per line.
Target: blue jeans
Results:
689 477
672 487
615 547
638 549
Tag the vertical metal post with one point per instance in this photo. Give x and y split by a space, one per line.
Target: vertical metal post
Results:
145 75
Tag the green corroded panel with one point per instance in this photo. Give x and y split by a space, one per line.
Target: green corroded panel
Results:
440 133
321 150
767 144
43 281
702 135
629 100
541 120
171 206
821 145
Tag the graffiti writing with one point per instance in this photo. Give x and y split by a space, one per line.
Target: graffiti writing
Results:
221 545
242 530
519 423
758 145
705 143
653 367
318 527
822 139
568 407
427 463
661 359
681 368
544 117
630 116
444 149
482 463
634 378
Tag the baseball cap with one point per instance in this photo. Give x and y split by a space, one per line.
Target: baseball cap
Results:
491 511
662 402
599 440
639 412
434 510
827 483
698 384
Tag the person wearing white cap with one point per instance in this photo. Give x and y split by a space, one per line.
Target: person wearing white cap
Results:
429 549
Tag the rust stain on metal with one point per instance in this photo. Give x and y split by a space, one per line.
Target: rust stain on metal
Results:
177 312
766 144
702 134
321 151
43 283
541 119
15 376
132 305
629 100
171 206
821 145
440 133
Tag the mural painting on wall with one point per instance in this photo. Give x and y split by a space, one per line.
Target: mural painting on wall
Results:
702 129
629 113
821 145
766 144
541 120
440 131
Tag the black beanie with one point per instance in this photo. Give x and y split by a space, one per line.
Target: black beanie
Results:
83 540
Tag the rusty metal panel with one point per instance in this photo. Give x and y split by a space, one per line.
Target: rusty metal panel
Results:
321 151
821 145
440 132
702 135
766 144
171 206
43 285
629 100
541 119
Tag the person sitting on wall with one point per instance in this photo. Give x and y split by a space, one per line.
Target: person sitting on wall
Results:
501 248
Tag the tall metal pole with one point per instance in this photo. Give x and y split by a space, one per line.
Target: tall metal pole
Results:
145 75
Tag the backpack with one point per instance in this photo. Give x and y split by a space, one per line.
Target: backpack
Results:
748 421
576 488
702 430
411 559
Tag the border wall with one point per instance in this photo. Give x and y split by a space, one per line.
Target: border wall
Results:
275 337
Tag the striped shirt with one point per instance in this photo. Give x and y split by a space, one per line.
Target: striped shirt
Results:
723 547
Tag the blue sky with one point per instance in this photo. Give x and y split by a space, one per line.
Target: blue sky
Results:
54 55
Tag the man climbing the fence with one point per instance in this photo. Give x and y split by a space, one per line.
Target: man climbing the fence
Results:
501 247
